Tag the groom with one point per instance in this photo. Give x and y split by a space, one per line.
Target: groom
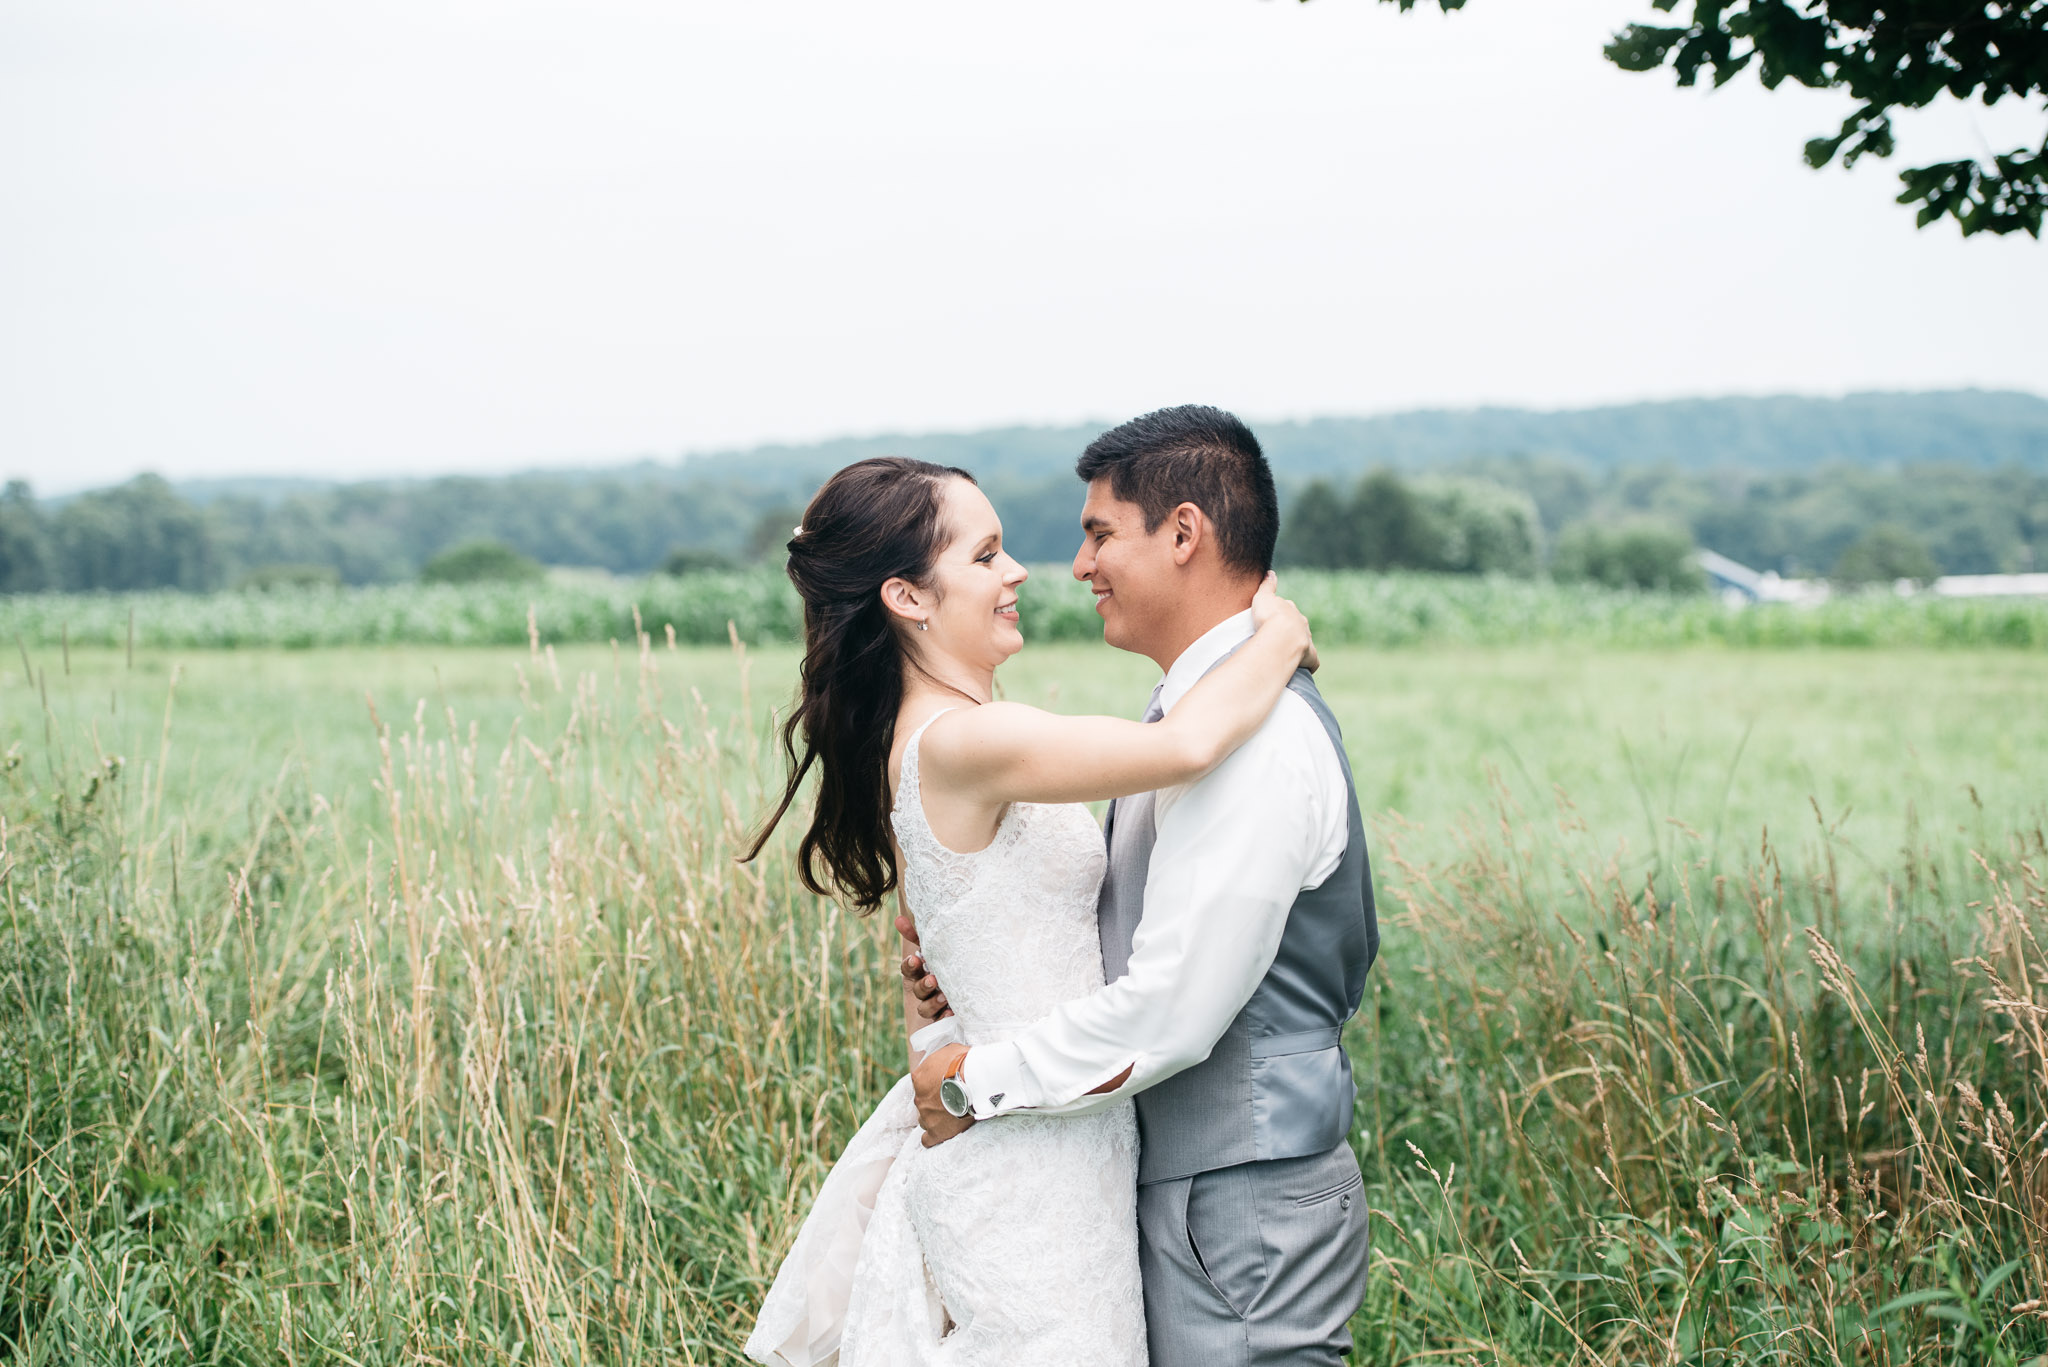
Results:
1237 926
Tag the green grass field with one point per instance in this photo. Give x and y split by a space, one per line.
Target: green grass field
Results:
1708 1024
1892 746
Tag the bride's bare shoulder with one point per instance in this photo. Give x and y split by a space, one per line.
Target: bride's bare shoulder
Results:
962 736
934 724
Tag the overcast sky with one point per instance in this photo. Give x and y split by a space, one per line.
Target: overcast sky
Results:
411 237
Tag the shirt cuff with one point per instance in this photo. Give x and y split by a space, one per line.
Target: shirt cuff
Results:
993 1075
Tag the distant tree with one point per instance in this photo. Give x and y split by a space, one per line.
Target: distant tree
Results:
475 562
1562 487
1321 530
1887 57
1885 553
2033 553
138 535
1394 529
695 560
264 578
1041 517
1458 526
1641 554
25 555
769 540
1477 527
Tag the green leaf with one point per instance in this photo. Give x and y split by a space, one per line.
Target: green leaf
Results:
1997 1278
1643 47
1913 1298
1698 1091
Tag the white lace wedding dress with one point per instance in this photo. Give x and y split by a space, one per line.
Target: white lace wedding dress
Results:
1016 1242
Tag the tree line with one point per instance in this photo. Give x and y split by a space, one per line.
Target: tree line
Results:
1518 515
145 534
1641 526
1775 434
1476 526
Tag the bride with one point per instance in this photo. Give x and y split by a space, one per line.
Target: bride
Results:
1017 1241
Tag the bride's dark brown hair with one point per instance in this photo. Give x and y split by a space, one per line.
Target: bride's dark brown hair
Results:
874 521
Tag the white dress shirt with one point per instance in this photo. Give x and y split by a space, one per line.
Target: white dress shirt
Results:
1234 849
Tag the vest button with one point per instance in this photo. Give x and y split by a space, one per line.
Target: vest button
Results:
1345 1204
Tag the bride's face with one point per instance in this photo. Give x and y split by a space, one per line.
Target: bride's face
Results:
972 610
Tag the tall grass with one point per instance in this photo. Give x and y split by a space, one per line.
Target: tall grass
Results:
1347 608
1715 1116
532 1071
526 1069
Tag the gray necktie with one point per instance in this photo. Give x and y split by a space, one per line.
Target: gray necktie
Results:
1153 712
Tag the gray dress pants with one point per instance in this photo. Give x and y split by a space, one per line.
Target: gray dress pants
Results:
1257 1265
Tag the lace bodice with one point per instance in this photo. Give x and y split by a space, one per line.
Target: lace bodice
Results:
1009 930
1014 1244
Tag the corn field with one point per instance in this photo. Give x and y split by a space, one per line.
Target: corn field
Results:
759 606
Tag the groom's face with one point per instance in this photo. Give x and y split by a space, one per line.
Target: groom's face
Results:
1131 570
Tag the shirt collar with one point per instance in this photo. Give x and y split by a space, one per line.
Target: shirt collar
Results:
1197 660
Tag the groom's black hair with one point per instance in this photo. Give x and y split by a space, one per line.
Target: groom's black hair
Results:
1200 455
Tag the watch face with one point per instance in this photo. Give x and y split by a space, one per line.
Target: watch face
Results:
953 1097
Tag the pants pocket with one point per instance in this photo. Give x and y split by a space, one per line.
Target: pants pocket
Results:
1321 1229
1337 1192
1223 1237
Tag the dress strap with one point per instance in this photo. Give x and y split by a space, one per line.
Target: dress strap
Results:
918 734
907 785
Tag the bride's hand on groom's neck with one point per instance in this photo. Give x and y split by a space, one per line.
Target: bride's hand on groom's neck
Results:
1272 612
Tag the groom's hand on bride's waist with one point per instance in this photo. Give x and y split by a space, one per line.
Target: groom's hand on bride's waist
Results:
938 1123
931 1002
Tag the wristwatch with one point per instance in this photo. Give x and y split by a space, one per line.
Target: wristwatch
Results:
952 1091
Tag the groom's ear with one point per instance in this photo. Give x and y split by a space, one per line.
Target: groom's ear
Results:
1190 530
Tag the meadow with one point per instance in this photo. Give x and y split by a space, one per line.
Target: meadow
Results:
383 1004
759 607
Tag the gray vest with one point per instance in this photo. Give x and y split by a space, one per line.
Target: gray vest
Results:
1278 1084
